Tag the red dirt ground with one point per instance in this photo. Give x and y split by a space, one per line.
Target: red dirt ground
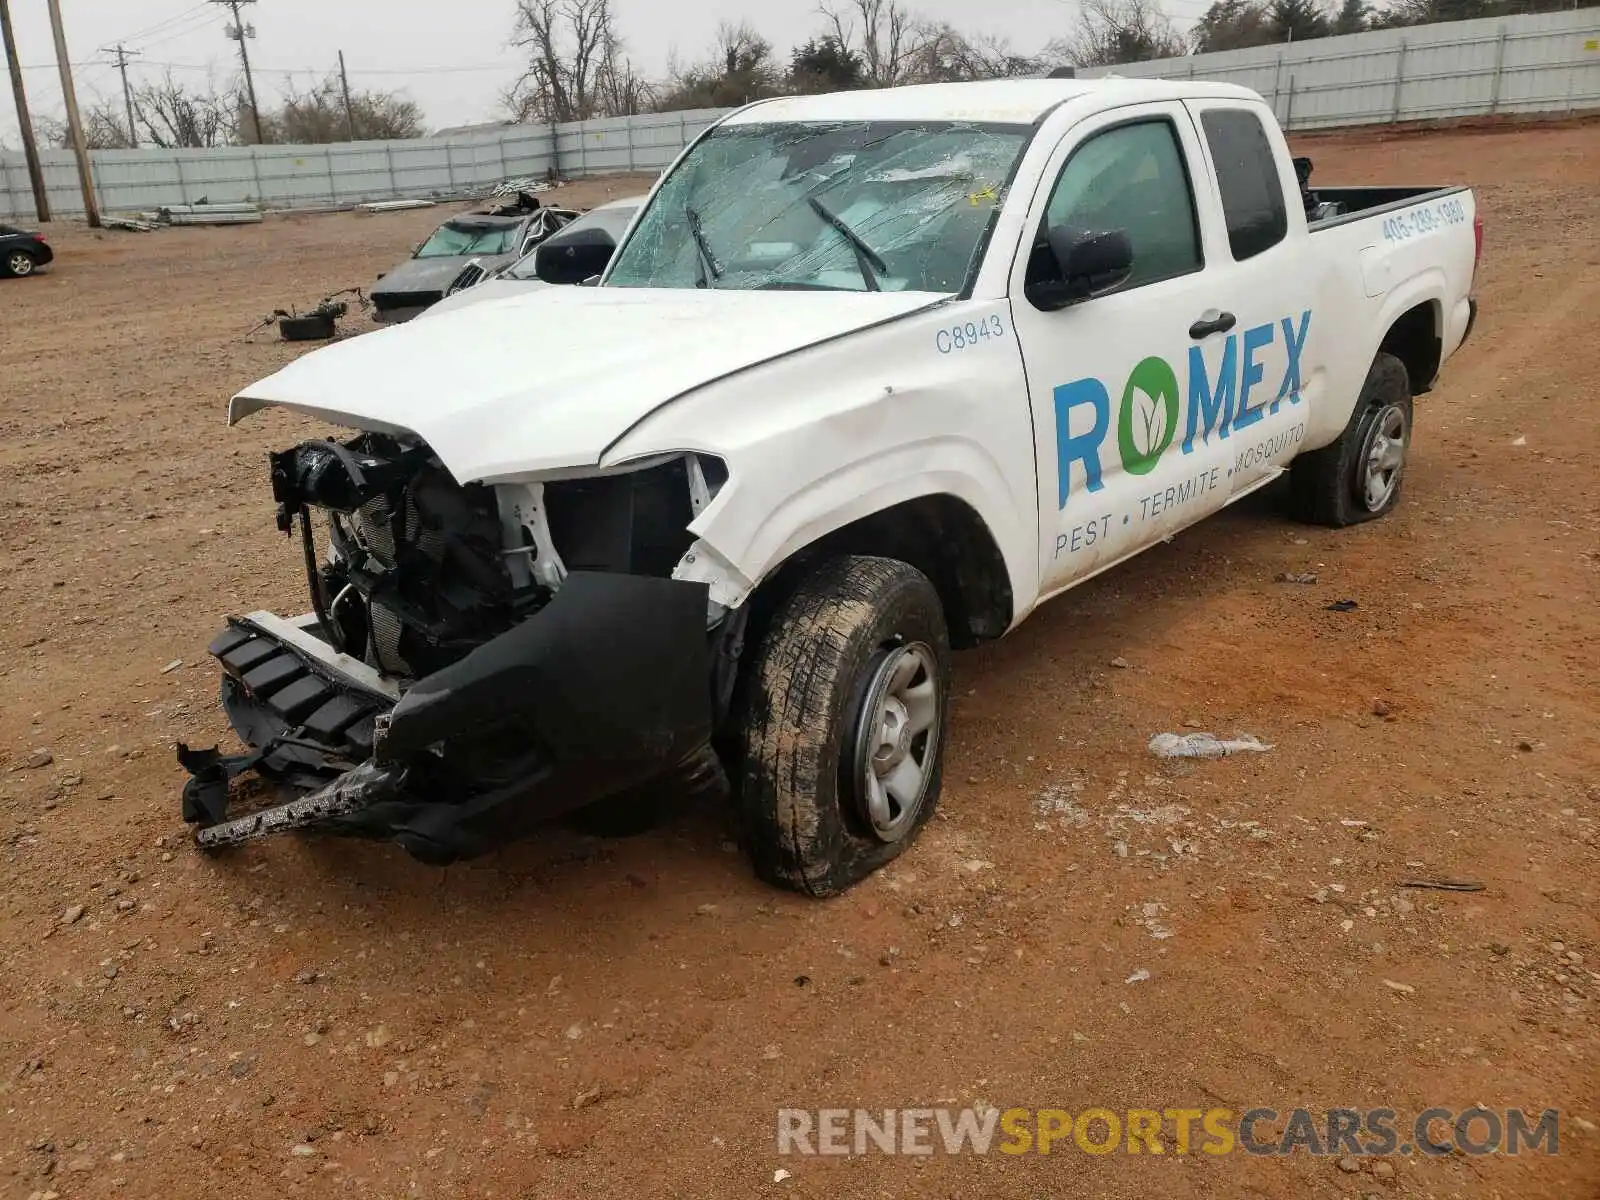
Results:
625 1018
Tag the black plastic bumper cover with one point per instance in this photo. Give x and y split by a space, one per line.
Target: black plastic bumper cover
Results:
605 688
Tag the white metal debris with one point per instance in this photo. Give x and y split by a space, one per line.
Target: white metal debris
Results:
1203 745
210 214
389 206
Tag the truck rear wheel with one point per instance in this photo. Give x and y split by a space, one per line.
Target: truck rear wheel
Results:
842 735
1357 478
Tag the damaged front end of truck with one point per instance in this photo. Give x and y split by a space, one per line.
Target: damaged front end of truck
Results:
477 660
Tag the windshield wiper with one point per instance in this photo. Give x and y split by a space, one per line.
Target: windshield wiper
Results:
868 259
707 260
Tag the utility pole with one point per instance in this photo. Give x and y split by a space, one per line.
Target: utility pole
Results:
123 54
240 32
30 150
91 207
349 111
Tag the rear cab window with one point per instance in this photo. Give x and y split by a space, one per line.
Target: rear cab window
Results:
1248 179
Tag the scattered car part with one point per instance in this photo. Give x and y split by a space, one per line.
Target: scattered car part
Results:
319 324
314 326
1204 745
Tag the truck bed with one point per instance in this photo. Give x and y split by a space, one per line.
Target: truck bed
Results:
1361 202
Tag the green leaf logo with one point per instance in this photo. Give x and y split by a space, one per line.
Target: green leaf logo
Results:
1149 418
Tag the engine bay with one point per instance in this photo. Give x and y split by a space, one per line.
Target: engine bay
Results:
415 577
420 570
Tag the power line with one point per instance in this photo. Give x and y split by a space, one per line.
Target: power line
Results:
173 35
160 25
122 55
242 33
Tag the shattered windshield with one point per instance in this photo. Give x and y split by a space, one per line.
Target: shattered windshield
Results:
454 241
857 206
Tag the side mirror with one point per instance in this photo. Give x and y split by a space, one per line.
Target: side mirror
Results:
573 258
1071 265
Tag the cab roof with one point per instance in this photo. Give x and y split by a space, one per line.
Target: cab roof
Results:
999 101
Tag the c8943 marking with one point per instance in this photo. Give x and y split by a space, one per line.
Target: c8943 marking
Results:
969 334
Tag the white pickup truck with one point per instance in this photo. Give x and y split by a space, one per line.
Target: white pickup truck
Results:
870 376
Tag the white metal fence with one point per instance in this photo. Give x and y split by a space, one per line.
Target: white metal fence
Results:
306 176
1541 63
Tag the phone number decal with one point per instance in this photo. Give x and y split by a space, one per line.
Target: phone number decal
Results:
973 333
1418 222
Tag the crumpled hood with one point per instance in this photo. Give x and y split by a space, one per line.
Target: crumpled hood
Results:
431 274
551 377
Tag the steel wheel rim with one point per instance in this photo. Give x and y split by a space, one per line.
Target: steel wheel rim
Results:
897 740
1383 457
20 264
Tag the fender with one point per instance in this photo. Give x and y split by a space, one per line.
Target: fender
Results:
1329 419
826 436
734 554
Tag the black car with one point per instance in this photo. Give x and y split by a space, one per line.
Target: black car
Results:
22 253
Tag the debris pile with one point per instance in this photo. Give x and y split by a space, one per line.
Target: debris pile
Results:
318 325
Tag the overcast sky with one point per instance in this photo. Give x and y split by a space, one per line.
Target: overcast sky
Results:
450 57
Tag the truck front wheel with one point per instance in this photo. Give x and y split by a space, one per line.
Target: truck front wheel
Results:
842 728
1358 477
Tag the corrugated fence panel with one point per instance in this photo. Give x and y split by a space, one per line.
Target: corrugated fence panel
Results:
1546 62
1543 63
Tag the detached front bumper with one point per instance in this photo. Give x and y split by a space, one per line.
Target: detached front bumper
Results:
607 687
394 308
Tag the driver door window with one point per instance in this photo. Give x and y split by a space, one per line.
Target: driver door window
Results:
1133 178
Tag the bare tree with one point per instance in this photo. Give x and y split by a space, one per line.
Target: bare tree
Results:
317 116
172 116
619 88
1118 31
945 55
105 127
576 65
883 34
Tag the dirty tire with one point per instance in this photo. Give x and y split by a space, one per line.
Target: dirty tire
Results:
18 264
312 328
1330 486
799 798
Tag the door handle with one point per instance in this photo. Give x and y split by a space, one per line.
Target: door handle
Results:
1206 326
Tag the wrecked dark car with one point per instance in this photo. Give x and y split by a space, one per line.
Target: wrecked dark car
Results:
489 239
